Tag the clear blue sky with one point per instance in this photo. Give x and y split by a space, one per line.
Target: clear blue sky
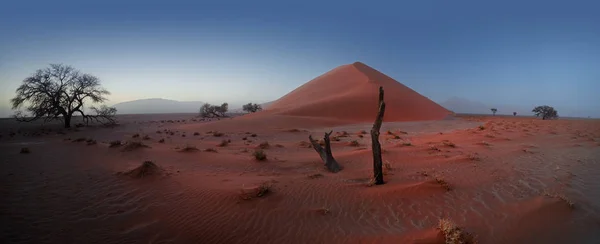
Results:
506 52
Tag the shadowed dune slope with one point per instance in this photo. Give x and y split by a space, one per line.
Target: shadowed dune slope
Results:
350 92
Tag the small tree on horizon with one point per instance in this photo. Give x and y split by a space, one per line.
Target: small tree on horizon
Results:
546 112
514 113
494 110
207 110
57 93
252 107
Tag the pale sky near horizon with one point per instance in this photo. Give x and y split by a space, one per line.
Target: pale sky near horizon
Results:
518 53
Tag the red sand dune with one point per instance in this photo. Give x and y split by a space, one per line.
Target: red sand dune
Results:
350 92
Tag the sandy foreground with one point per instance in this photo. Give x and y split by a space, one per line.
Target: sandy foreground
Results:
503 179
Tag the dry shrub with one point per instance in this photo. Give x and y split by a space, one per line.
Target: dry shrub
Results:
134 145
81 139
434 148
293 130
305 144
146 137
397 137
254 135
264 145
454 234
448 143
25 150
481 127
244 138
189 148
196 133
161 140
354 143
473 157
210 150
315 176
568 201
342 134
148 168
323 211
406 144
361 136
224 143
443 183
483 143
136 135
217 134
115 143
259 155
362 132
260 191
90 142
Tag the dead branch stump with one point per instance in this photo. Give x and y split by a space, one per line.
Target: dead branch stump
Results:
325 153
377 161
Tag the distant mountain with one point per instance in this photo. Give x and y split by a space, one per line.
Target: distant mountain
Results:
157 106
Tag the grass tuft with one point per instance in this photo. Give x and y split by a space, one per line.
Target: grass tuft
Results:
259 155
262 190
454 234
443 183
134 145
568 201
224 143
189 148
264 145
354 143
115 143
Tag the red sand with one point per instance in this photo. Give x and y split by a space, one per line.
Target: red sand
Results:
69 192
350 93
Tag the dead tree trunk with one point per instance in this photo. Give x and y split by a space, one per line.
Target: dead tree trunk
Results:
325 153
377 161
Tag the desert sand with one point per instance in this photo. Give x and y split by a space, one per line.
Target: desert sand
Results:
178 179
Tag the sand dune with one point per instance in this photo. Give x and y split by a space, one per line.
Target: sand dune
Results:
350 92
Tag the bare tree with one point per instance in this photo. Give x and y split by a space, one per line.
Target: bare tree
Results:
58 92
546 112
103 114
376 147
494 110
325 153
252 107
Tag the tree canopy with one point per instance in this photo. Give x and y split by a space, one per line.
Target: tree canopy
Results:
252 107
207 110
546 112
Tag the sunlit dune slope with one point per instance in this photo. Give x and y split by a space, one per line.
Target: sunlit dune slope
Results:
350 93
